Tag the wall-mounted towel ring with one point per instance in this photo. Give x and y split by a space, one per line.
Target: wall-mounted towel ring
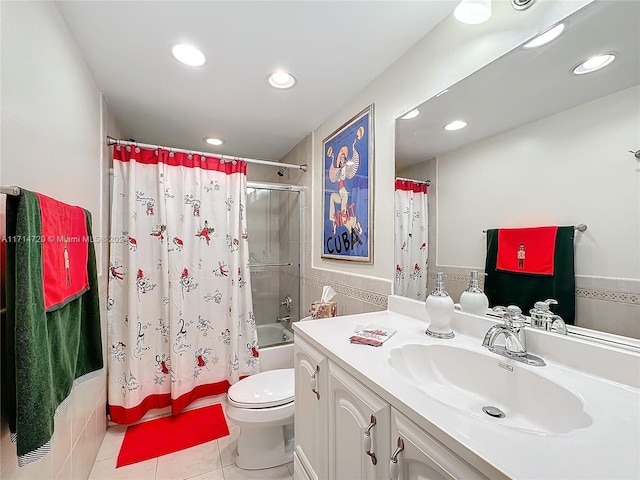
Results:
635 154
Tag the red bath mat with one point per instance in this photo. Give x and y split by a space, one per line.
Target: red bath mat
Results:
169 434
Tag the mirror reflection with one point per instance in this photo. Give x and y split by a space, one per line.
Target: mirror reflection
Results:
542 146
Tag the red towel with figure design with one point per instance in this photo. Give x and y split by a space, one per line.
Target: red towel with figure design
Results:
527 250
65 252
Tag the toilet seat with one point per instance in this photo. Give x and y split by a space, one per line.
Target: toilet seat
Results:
263 390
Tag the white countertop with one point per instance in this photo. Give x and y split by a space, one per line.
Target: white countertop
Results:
607 449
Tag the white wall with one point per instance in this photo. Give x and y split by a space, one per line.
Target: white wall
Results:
51 143
448 53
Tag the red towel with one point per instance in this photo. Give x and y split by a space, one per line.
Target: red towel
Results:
527 250
65 252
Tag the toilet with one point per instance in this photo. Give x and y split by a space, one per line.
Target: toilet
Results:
262 406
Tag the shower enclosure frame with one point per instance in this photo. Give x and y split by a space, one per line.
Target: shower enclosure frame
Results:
279 187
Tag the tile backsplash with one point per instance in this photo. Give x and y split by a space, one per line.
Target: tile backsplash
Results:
355 294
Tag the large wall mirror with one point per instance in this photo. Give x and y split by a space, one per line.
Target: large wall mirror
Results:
542 146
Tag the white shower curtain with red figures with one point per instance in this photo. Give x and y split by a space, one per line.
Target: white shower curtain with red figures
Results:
411 232
180 318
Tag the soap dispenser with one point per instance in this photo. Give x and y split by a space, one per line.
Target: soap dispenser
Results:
473 299
439 310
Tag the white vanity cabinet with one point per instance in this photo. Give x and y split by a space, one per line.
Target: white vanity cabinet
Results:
359 423
338 419
421 456
311 388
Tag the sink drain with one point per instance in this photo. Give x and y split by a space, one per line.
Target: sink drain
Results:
493 412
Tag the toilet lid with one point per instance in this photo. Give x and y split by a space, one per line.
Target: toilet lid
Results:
264 389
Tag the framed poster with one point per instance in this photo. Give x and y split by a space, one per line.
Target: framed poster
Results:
347 190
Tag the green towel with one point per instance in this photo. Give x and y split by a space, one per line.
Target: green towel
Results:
43 354
524 289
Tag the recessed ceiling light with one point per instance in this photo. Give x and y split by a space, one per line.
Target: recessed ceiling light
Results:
473 12
545 37
594 63
455 125
188 55
281 79
412 114
213 140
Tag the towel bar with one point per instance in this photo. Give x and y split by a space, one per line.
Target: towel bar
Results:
581 227
15 191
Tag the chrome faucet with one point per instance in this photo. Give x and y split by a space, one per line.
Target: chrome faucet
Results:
542 317
287 302
283 319
513 331
515 321
512 346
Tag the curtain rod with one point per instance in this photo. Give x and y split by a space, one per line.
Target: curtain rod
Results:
113 141
581 227
13 190
428 182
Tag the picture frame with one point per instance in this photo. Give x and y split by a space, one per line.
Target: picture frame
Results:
347 190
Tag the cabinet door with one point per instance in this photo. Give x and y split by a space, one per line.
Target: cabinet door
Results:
358 422
423 457
311 373
299 472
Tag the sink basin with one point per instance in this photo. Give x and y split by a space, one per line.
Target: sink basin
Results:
470 380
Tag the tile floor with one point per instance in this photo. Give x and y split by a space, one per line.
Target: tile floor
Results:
214 460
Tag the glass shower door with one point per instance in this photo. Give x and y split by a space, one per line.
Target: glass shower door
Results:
273 225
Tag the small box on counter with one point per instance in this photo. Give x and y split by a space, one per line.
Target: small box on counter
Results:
324 309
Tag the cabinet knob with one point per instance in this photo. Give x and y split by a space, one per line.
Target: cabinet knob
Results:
367 440
314 382
394 467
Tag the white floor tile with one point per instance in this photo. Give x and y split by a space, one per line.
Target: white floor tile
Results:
214 460
231 472
190 462
228 446
111 443
212 475
106 470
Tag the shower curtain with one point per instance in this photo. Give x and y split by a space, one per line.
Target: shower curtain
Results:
180 319
411 229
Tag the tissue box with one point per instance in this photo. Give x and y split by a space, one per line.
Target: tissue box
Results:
324 309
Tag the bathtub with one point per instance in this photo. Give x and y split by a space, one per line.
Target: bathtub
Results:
276 347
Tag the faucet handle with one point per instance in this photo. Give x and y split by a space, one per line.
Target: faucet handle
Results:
499 310
510 313
514 318
541 315
544 306
514 310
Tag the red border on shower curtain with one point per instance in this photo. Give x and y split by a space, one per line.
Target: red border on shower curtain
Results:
174 159
127 416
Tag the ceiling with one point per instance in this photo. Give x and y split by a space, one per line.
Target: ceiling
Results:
334 48
527 85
